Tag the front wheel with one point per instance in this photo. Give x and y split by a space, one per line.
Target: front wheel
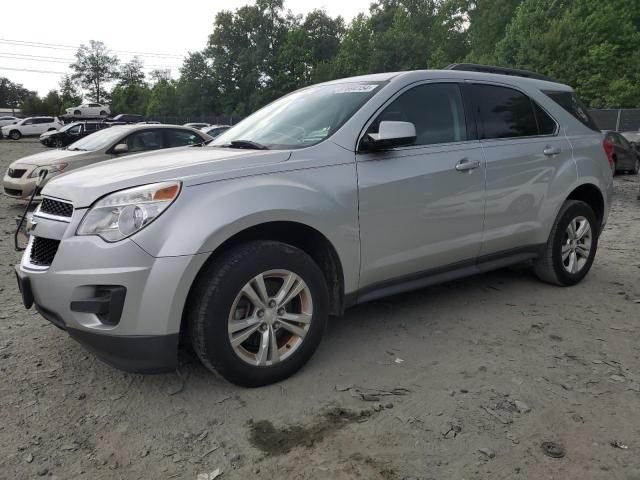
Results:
258 313
58 143
571 247
15 135
103 113
636 168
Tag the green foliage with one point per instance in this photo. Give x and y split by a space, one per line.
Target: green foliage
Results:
259 52
131 93
93 68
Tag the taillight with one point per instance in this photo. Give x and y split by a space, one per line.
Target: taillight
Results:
607 144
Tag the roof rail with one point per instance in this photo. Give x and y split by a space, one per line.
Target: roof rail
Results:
474 67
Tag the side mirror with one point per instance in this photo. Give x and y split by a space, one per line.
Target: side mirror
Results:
120 149
390 135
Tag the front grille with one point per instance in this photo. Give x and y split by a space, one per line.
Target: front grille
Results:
13 192
57 208
16 172
43 250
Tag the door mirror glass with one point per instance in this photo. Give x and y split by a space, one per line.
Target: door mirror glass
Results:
120 148
390 134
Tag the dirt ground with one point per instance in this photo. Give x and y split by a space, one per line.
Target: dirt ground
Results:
460 381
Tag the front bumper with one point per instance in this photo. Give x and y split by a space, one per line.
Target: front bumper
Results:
19 188
145 335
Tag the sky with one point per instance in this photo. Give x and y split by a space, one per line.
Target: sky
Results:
162 31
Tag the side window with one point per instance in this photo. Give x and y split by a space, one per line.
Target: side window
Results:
546 124
569 101
28 122
75 130
181 138
435 109
504 112
90 127
144 141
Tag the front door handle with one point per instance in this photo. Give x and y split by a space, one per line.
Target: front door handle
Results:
550 151
465 165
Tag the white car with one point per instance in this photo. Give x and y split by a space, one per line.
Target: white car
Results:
89 110
8 121
31 126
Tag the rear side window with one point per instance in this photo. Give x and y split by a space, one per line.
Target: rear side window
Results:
504 112
546 124
569 101
435 109
181 138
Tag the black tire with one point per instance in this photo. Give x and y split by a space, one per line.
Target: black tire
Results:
58 143
15 135
77 112
549 267
212 297
636 169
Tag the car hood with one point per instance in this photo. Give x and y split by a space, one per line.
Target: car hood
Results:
191 165
50 157
49 133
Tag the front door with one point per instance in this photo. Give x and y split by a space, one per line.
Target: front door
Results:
421 206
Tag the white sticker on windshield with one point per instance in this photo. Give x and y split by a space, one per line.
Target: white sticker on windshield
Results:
359 88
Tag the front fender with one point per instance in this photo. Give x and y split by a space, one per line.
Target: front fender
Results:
206 215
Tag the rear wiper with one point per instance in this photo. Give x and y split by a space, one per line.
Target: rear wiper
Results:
246 144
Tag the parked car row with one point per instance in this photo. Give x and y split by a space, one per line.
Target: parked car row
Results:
110 143
625 154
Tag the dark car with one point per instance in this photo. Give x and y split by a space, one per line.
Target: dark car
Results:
69 134
124 119
625 157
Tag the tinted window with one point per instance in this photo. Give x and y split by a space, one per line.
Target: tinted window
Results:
546 124
43 120
75 130
28 122
181 138
435 109
90 127
569 101
505 112
144 141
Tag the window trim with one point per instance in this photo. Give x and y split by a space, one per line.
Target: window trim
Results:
480 122
472 134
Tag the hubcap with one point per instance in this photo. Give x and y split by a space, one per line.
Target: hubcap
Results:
576 245
270 317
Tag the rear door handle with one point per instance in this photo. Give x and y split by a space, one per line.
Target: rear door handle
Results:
550 151
465 165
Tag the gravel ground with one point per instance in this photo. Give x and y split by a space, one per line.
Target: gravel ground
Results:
460 381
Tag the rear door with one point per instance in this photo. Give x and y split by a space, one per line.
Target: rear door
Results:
42 124
524 152
421 206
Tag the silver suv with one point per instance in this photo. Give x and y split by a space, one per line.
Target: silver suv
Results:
333 195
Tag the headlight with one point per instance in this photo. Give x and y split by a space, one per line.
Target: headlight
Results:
121 214
50 169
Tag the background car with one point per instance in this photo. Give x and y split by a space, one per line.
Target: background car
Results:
31 126
7 121
70 133
106 144
625 157
215 130
89 110
197 125
124 119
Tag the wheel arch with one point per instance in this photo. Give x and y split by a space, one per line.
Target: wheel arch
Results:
592 196
297 234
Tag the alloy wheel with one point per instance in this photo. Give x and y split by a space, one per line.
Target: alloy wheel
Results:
576 245
270 317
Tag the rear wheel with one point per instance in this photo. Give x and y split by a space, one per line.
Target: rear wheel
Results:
15 135
258 313
571 247
103 113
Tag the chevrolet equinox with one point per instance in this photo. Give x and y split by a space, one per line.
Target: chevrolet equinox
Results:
333 195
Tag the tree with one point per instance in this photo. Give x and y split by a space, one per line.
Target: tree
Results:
12 95
488 21
69 94
94 67
131 93
163 99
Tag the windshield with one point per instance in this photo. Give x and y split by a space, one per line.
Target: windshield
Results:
97 141
68 126
300 119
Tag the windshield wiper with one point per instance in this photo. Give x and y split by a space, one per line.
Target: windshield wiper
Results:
246 144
